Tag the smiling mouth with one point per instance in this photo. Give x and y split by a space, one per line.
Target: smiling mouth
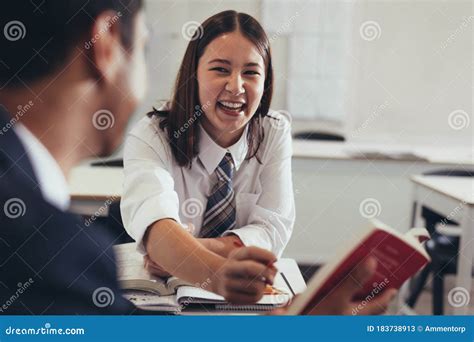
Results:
231 107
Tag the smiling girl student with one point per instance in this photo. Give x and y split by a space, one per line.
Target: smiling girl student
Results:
209 175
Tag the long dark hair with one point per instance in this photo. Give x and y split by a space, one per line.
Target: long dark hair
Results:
185 109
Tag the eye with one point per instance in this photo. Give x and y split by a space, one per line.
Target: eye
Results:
252 72
219 69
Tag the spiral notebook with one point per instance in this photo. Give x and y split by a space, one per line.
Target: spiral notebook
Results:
150 292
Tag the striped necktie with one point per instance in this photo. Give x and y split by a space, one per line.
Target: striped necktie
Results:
220 209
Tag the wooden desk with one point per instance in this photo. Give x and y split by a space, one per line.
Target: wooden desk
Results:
452 197
93 189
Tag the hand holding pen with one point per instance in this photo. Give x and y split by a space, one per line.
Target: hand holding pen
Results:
243 277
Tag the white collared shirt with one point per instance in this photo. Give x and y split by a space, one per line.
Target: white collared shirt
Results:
52 182
156 187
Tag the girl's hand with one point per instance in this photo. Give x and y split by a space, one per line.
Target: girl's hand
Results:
154 268
244 275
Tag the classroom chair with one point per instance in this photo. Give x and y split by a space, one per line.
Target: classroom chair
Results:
443 249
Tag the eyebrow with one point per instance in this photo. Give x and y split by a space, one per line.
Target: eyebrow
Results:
225 61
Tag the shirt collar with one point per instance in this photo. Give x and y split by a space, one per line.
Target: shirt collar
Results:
53 184
211 154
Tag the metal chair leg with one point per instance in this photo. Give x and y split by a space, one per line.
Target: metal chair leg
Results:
416 287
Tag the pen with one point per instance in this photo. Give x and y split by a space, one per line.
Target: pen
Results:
287 283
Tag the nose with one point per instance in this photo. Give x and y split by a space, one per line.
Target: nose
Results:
235 84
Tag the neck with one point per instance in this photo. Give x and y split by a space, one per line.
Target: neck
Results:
223 139
56 118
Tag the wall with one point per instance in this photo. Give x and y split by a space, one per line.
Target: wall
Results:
414 74
402 85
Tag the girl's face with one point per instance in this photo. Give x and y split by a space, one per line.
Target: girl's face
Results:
231 76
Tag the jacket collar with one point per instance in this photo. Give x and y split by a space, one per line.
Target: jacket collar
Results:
12 152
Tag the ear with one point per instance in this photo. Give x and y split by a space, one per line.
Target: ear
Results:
106 46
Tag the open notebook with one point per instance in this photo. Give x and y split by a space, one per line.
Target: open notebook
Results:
155 292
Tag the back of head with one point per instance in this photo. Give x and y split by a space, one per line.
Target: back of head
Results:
38 37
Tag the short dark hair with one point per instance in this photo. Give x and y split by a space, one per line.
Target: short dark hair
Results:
36 39
185 105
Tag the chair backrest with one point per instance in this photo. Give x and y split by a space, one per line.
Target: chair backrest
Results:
319 135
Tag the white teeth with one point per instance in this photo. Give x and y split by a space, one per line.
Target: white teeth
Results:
231 105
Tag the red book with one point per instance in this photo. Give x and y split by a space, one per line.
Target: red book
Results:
399 256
